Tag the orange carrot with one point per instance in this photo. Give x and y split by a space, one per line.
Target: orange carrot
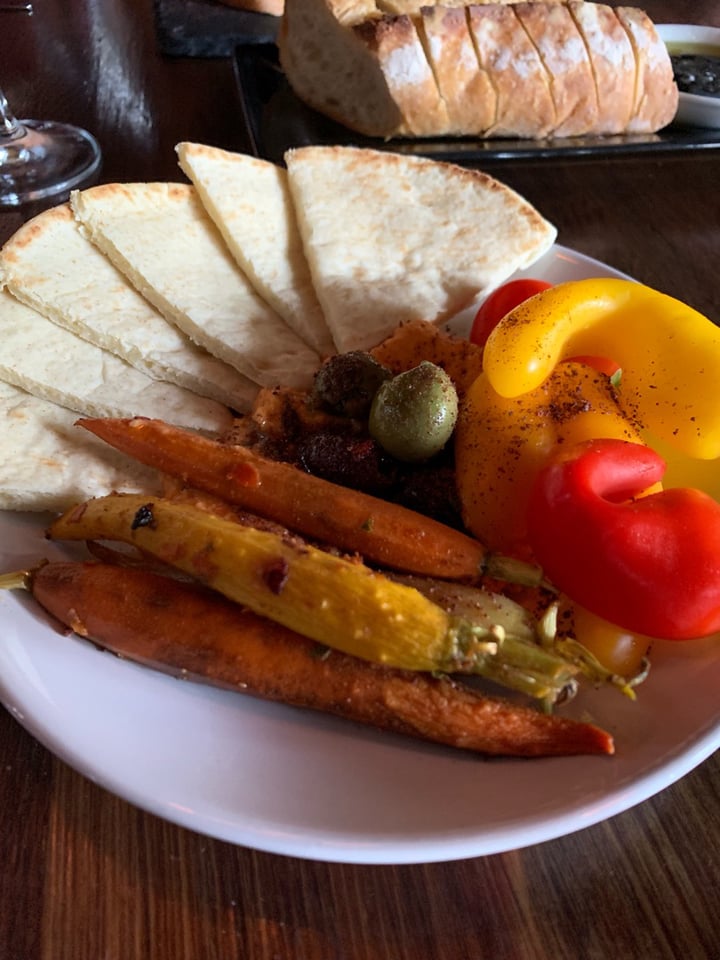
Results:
382 532
191 632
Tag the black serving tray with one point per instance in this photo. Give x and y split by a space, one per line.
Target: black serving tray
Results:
204 28
276 120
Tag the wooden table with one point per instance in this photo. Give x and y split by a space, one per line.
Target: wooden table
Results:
85 876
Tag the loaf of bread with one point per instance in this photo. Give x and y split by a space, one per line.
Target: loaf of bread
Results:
399 68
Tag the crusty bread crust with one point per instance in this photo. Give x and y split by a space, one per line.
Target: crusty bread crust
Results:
612 61
524 104
656 94
395 44
555 68
414 7
466 89
563 52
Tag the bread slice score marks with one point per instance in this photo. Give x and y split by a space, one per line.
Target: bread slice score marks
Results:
413 7
403 238
50 265
48 463
656 93
249 201
612 62
398 50
525 106
564 55
466 88
161 238
55 365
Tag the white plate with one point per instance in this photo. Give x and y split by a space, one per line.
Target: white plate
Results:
693 109
286 781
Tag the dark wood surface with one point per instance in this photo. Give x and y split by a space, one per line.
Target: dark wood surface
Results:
85 876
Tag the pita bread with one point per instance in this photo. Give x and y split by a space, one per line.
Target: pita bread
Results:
55 365
249 202
51 266
50 464
160 237
393 238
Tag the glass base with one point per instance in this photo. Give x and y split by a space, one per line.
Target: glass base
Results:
44 159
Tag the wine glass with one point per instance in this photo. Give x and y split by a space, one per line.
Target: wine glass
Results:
41 158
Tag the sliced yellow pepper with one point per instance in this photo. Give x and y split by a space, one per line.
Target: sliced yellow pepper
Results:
668 352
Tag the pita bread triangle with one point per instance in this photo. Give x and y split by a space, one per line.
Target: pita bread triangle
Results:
55 365
161 238
50 265
48 463
249 201
392 238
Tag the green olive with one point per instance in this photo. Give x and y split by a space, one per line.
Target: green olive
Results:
413 415
347 383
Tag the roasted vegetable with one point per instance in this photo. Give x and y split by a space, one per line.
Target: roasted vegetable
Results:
650 564
381 532
501 444
193 633
335 601
669 354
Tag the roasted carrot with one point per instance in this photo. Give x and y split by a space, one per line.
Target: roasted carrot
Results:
383 533
331 599
188 631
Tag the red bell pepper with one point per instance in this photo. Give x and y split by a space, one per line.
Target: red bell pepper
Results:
650 564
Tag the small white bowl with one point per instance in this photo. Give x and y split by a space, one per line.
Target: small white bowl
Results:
693 108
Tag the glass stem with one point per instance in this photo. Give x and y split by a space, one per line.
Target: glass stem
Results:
9 125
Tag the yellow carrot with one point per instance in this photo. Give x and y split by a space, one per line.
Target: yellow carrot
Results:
335 601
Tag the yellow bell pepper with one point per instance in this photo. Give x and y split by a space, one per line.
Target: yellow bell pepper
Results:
668 352
501 443
684 471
